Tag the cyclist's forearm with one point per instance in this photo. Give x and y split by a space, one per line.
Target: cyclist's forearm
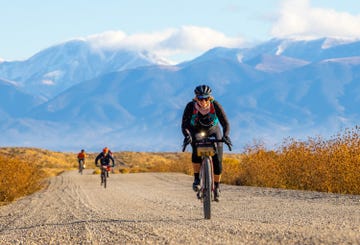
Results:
185 124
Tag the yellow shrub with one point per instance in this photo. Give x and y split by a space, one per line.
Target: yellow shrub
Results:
316 164
231 171
124 170
260 168
18 178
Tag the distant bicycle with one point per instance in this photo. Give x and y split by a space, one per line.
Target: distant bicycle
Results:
206 148
104 157
81 160
104 174
81 166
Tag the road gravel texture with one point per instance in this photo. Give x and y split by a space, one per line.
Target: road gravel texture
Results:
161 208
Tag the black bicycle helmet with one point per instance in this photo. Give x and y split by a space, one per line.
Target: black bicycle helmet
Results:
203 91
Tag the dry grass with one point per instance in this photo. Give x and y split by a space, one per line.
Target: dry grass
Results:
23 170
316 164
52 163
18 178
154 162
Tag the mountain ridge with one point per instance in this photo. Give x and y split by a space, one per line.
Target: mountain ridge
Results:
267 94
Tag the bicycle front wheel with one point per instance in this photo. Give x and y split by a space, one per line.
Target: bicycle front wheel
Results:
81 167
104 178
207 187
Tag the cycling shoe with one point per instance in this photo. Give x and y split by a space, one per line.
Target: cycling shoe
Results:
196 185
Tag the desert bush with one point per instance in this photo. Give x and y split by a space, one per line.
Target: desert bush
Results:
136 162
317 164
231 171
169 162
18 178
301 164
23 170
53 162
124 170
259 167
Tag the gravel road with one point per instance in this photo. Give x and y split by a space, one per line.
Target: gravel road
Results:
161 208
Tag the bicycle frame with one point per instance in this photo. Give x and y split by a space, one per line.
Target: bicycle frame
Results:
205 193
206 148
103 176
81 166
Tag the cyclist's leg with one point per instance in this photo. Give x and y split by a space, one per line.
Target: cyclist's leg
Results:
217 174
196 160
217 161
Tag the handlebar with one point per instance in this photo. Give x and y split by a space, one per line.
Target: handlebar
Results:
184 147
105 166
208 140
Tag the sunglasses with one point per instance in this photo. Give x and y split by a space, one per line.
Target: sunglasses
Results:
202 98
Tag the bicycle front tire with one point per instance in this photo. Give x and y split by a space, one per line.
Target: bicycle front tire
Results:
207 188
103 177
81 167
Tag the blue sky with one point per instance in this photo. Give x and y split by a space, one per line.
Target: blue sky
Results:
176 30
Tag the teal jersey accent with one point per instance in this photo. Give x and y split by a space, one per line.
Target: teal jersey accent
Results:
208 120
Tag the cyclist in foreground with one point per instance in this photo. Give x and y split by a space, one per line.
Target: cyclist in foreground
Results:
204 113
81 159
104 157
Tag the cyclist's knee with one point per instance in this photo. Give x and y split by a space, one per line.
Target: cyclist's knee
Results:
217 171
217 165
195 158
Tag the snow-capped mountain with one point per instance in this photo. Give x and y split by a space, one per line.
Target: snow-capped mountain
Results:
59 67
278 89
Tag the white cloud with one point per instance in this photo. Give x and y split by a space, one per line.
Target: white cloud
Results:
299 20
48 82
193 38
109 39
166 43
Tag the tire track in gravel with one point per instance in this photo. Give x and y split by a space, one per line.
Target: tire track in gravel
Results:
161 208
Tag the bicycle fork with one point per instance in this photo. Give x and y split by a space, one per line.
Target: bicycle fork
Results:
201 193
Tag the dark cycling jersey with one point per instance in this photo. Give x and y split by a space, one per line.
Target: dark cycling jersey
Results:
104 159
189 122
188 118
